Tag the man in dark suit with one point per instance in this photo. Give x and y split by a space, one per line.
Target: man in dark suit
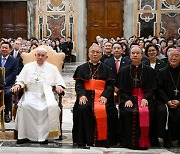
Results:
116 62
11 66
15 52
69 45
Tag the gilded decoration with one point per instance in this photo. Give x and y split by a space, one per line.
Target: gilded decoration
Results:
145 3
171 24
172 2
55 5
56 2
56 26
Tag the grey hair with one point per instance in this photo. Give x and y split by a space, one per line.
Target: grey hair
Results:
171 49
136 46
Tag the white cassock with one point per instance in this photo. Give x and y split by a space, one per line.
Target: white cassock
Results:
38 112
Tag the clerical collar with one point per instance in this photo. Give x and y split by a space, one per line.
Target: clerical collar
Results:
174 69
94 70
92 63
136 66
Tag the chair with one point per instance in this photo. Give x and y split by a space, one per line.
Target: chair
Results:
2 101
53 58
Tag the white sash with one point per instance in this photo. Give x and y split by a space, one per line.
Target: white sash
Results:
53 111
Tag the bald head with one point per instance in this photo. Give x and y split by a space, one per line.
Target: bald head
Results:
94 46
136 55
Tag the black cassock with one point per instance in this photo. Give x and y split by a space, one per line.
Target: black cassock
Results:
131 77
169 89
84 122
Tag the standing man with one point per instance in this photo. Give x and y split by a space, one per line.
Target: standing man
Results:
69 45
137 83
94 113
38 112
11 67
168 107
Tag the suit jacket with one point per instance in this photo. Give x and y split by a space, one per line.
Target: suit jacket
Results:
159 64
11 67
112 64
12 53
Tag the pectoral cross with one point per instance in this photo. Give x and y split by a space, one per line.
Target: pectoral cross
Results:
136 80
37 79
176 91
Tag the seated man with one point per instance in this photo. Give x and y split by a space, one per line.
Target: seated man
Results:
168 106
11 66
38 112
136 83
94 114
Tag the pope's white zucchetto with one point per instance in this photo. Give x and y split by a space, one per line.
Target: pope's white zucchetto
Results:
42 49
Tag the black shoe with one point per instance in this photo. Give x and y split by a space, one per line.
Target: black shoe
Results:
22 141
83 146
155 143
44 142
7 118
178 143
167 144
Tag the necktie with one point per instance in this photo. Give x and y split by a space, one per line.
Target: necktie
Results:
15 54
3 61
117 65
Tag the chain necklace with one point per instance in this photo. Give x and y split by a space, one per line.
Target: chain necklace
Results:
91 71
176 91
136 80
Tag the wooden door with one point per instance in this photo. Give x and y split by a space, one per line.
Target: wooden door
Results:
13 19
104 18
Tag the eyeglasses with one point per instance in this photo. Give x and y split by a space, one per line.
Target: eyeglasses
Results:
95 52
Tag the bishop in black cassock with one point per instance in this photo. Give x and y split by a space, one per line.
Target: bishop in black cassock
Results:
94 114
168 106
137 83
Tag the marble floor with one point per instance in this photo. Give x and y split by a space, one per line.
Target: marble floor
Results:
65 146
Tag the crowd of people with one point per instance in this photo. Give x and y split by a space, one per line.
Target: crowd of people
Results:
26 45
140 75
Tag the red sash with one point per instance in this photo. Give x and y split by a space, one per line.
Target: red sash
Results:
143 119
99 109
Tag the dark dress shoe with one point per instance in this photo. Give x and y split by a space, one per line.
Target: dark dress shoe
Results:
83 146
22 141
44 142
167 145
178 143
7 119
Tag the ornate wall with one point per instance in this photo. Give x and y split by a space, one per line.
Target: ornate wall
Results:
154 16
55 18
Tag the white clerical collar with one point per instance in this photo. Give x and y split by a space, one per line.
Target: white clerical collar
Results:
92 63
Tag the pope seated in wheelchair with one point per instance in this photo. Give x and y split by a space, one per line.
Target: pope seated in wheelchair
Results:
37 116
